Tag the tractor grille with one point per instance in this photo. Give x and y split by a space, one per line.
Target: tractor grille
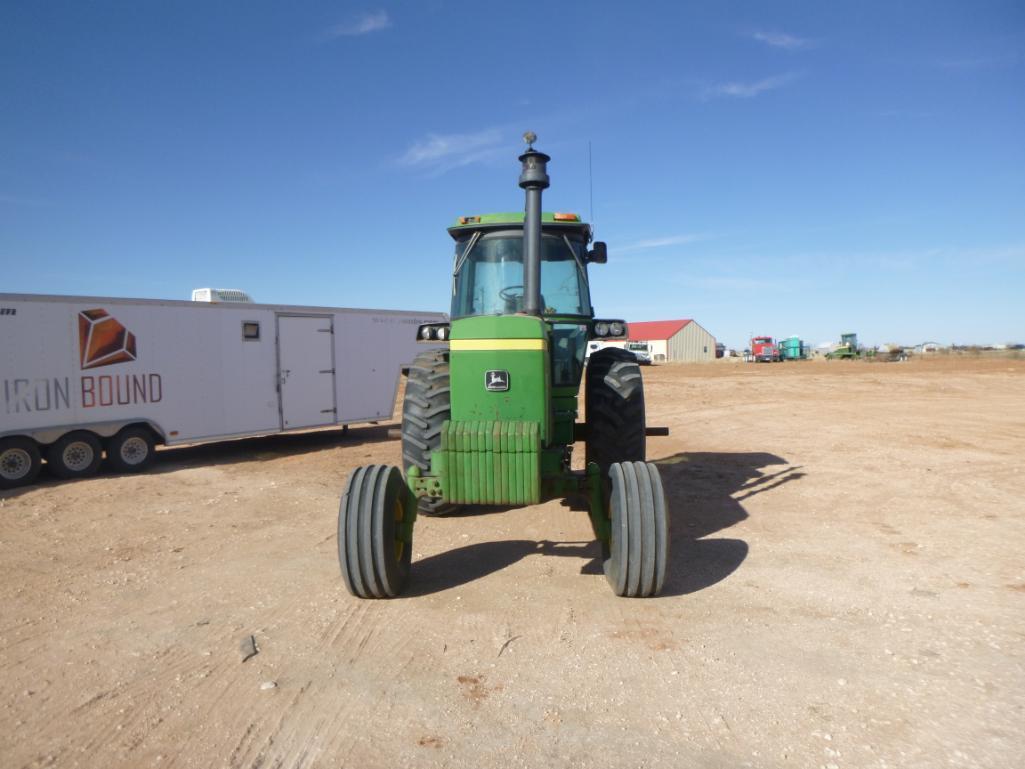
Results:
490 462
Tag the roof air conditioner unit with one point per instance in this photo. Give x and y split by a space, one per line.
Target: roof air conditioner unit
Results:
220 295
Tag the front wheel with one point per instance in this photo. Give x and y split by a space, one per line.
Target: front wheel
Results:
375 532
637 553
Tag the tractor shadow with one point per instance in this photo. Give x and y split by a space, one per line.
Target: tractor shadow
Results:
704 492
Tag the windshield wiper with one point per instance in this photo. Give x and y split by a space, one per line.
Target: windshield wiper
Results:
466 252
576 257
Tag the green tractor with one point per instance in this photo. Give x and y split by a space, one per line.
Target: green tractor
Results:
847 350
492 418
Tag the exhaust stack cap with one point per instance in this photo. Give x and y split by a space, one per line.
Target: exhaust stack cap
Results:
535 172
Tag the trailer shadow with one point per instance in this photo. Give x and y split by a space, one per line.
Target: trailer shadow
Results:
704 491
173 458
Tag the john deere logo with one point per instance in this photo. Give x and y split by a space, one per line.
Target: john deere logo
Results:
496 381
102 340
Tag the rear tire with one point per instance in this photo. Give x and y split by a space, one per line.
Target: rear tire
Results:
637 554
614 397
373 558
20 461
131 450
75 455
428 403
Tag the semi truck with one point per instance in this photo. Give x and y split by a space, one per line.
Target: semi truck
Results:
85 375
764 350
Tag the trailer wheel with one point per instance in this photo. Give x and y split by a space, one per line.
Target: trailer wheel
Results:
426 406
131 450
637 554
75 455
19 461
614 396
372 553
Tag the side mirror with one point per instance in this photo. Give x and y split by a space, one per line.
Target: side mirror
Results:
599 254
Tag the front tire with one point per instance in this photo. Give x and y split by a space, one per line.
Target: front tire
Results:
75 455
637 554
614 398
428 404
372 553
20 461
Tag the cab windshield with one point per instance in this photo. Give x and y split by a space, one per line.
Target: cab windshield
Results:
489 279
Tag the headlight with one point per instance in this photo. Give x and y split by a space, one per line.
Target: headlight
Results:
425 332
442 333
616 328
601 329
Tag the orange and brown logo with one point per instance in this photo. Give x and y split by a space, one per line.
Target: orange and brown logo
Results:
103 340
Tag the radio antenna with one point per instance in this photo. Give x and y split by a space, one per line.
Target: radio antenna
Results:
590 185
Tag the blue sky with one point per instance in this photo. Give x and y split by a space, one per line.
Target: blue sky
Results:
781 168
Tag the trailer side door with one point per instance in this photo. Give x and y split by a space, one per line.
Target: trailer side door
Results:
306 371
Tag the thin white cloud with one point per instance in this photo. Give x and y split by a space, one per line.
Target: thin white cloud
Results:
782 40
443 152
671 240
746 90
361 25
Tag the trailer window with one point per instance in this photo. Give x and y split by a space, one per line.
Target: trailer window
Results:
250 330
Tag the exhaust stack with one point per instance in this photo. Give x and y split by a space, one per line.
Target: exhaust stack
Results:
533 179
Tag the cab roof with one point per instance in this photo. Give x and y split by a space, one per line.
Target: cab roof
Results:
550 220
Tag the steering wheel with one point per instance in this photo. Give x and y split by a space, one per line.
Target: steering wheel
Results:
508 294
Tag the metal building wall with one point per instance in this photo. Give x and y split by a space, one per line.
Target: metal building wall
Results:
691 344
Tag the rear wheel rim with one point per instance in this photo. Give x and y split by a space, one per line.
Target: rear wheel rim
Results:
134 450
77 456
15 464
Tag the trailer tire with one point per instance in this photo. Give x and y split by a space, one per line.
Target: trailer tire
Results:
20 461
373 557
75 455
426 406
637 554
614 397
131 450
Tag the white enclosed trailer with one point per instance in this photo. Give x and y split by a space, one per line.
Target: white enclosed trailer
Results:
83 374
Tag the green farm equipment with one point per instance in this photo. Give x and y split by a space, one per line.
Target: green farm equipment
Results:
847 350
491 418
792 348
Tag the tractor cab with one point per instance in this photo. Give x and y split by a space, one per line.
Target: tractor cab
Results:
488 276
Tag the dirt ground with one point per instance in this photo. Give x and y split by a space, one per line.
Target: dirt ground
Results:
847 589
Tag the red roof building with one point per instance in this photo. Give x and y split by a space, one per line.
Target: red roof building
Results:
674 340
645 330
